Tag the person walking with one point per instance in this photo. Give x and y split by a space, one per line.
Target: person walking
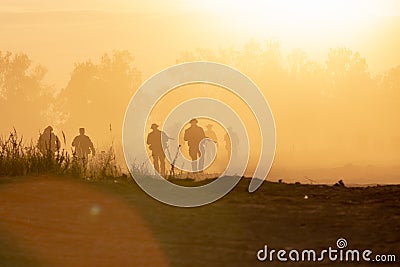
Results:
48 142
194 135
157 141
83 146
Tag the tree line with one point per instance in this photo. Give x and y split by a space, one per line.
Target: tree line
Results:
334 106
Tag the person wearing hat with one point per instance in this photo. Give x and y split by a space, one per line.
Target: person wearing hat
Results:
83 146
193 135
48 142
156 139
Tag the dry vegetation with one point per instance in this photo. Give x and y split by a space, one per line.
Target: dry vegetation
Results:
19 158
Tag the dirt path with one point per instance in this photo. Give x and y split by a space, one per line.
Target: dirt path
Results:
60 222
51 221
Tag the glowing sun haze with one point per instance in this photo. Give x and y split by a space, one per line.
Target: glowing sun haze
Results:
307 17
155 29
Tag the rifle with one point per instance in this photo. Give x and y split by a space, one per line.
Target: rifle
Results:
172 171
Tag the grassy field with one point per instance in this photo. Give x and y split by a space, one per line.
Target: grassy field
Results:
61 221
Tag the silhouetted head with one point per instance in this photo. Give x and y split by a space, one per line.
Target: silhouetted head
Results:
193 121
209 126
82 131
154 126
48 129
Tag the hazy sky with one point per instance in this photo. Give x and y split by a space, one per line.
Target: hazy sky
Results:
58 34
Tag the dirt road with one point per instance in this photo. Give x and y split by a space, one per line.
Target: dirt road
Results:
49 221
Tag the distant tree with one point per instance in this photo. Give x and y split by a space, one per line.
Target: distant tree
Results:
347 68
297 60
24 97
391 80
389 94
97 94
261 61
199 54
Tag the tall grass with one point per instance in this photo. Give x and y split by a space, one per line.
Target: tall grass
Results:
18 158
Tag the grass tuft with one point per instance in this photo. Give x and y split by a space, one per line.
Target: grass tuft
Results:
18 159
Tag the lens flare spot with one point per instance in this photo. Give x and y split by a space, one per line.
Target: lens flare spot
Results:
95 210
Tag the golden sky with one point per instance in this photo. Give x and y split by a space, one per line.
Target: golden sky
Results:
156 31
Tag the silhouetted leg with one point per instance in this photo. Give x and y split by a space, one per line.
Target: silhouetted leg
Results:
162 163
193 155
156 165
84 165
194 166
202 155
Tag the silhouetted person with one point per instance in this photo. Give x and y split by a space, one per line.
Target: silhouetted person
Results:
230 140
157 140
83 146
48 142
211 134
193 135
